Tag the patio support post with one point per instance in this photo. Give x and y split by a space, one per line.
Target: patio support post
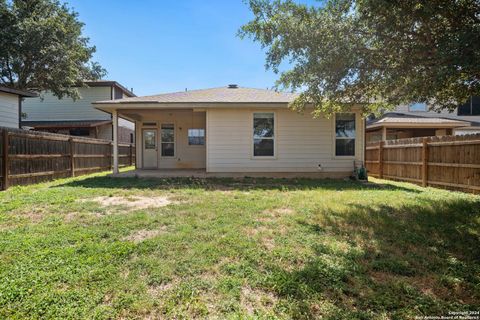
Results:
384 133
115 141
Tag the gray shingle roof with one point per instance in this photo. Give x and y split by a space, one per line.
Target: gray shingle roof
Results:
214 95
399 118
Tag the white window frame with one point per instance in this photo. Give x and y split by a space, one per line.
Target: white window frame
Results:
197 145
174 140
274 138
334 135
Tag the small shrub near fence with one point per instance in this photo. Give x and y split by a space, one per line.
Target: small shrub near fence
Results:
28 157
451 162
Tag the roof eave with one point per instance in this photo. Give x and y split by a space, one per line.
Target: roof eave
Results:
107 83
22 93
405 125
109 106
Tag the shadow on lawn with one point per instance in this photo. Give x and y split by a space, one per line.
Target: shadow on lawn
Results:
412 260
233 184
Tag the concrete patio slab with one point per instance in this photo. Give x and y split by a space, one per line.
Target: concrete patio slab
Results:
201 173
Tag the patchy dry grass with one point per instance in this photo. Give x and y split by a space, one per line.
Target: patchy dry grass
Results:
141 235
95 247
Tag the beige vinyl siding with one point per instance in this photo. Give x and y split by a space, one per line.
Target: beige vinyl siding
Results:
51 108
302 143
9 110
186 156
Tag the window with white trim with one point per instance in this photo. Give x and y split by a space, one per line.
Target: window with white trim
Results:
264 134
345 134
196 137
168 140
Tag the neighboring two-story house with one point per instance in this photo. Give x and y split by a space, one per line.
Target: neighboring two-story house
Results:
417 120
79 117
11 105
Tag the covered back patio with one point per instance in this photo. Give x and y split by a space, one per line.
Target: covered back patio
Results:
169 139
399 126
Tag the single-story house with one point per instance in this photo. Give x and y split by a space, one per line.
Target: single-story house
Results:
78 117
11 106
234 130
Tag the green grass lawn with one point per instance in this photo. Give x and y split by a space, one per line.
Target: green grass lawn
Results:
257 248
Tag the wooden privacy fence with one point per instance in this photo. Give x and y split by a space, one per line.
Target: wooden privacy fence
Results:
30 157
452 162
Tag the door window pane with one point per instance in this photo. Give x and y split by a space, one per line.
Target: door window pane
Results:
149 140
263 134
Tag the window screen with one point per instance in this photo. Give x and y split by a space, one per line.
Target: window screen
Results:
168 140
263 134
196 137
345 134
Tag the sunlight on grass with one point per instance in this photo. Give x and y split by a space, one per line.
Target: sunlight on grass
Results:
219 248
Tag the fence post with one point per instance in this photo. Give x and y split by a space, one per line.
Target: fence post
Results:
72 157
5 160
424 162
380 160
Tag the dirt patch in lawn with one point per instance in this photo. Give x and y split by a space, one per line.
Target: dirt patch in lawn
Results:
253 299
272 214
133 202
141 235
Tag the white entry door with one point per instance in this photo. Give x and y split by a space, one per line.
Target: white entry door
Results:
150 149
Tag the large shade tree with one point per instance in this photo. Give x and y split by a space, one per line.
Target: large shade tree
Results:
378 53
42 48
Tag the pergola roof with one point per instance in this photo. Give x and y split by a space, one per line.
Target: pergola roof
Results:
398 120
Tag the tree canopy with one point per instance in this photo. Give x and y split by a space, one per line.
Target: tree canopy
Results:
377 53
42 48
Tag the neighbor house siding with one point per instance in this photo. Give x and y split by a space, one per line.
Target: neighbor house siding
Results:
302 143
9 116
444 113
50 108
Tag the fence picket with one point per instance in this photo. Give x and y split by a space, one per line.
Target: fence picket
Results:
29 156
451 162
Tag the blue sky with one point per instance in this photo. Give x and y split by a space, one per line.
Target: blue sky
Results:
156 46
